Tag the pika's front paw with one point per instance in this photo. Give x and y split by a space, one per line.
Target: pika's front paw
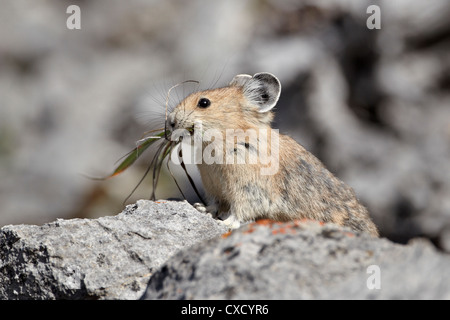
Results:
210 210
200 207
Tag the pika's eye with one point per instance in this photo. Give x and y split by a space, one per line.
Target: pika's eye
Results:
203 103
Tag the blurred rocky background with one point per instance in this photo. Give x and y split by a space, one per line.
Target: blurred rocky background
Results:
373 105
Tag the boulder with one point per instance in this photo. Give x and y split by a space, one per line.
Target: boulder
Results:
111 257
169 250
299 260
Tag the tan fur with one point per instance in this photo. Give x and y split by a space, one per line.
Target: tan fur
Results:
301 188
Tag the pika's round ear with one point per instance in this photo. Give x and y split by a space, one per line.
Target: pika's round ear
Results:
240 80
262 90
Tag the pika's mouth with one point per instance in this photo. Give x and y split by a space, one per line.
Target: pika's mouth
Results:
177 135
191 130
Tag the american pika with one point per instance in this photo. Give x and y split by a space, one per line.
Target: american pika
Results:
249 171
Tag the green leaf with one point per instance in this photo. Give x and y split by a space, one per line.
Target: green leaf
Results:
132 156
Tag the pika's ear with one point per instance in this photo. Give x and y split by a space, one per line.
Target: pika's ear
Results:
240 80
262 90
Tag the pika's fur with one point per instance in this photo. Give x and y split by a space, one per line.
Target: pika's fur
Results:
239 192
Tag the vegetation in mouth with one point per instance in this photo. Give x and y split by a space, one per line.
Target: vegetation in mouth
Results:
132 156
165 148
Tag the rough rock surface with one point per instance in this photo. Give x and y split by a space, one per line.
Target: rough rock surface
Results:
302 261
106 258
169 250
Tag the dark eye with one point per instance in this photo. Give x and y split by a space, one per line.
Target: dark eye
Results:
203 103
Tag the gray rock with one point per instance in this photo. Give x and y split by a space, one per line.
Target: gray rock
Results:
416 271
106 258
169 250
301 261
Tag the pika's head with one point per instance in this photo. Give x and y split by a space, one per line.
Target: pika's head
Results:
245 103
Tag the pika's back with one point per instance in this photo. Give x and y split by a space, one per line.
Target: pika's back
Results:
315 192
